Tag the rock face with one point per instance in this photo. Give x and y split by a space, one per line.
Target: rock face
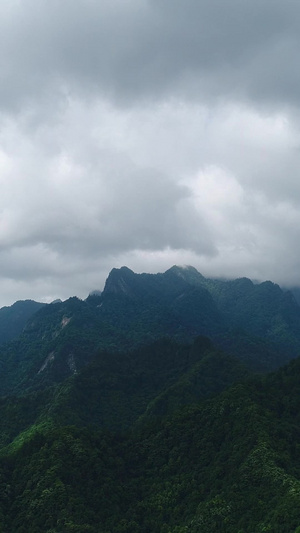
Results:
118 281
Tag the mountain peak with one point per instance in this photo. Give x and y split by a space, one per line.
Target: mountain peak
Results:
186 272
117 281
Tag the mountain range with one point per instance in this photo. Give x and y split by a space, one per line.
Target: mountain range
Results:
166 403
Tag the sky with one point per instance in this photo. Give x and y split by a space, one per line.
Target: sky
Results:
147 133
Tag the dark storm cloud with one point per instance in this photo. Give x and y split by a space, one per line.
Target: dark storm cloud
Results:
132 50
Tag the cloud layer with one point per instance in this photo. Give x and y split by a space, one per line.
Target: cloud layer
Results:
147 133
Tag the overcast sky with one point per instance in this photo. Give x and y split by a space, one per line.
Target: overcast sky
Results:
147 133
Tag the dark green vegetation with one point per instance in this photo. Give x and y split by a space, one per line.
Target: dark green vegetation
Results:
14 318
138 410
260 324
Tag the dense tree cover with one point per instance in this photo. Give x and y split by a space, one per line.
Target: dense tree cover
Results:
229 463
115 389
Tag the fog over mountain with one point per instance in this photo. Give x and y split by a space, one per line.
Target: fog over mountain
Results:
147 133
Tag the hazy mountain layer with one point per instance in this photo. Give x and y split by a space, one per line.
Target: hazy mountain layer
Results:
14 318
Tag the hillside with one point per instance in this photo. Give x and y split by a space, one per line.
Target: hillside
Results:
138 410
14 318
260 324
219 460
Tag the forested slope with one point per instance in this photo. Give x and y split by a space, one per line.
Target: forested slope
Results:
147 408
228 462
260 324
